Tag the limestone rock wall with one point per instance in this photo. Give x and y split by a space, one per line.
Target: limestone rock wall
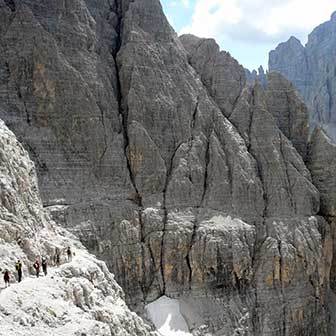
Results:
264 118
289 111
157 155
322 166
321 162
311 69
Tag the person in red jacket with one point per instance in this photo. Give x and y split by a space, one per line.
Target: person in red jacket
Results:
37 267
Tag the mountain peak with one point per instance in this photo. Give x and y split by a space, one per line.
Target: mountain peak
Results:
333 16
294 40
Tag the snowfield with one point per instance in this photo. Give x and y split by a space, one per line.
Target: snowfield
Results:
166 315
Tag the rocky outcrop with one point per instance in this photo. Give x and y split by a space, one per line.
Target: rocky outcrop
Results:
290 60
260 117
311 69
322 164
223 76
60 83
80 297
152 149
253 76
289 111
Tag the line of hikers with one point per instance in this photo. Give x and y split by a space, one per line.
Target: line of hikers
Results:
37 265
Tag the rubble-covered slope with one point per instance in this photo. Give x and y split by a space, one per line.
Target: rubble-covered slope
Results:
79 297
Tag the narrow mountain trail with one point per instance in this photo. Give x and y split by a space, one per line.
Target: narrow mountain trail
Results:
32 280
79 297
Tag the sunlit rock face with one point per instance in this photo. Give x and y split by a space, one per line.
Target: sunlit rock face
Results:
311 68
153 150
79 297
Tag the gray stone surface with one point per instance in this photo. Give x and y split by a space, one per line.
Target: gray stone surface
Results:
223 76
322 164
289 58
60 85
264 118
152 150
312 70
254 75
289 111
80 297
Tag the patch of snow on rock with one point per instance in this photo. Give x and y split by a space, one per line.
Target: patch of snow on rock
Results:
166 315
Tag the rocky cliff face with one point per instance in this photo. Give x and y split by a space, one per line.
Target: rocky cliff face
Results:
259 117
312 70
289 111
154 151
321 162
253 76
80 297
322 165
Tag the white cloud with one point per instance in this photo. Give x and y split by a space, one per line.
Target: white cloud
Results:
177 3
186 3
257 21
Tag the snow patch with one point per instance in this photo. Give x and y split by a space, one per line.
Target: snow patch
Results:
166 315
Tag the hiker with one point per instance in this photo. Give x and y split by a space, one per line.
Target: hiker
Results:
37 267
18 267
6 278
57 257
19 239
44 265
69 253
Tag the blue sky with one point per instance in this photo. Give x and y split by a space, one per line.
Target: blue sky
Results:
248 29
